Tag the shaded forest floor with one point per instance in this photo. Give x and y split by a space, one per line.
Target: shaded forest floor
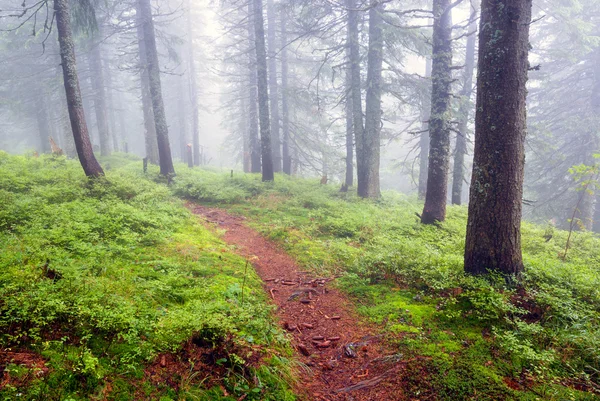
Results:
113 290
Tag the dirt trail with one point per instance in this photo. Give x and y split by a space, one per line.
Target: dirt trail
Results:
345 360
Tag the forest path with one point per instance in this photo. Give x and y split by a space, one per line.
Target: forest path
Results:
345 359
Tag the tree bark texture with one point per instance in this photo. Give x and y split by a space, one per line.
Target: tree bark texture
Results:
368 183
90 165
493 240
98 87
273 85
263 92
439 120
255 143
458 172
424 139
193 90
285 108
149 125
160 120
355 92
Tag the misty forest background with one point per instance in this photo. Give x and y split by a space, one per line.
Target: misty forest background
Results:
206 56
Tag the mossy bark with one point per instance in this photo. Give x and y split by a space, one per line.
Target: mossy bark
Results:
493 240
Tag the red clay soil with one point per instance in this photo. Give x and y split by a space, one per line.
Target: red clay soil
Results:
345 358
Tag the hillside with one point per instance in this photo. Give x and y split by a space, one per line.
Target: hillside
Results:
114 290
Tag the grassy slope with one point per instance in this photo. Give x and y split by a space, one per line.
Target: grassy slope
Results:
468 338
130 275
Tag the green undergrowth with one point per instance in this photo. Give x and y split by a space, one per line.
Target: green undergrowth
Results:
111 283
475 338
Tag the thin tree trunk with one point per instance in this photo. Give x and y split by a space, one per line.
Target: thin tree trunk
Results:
424 139
285 113
349 179
458 173
112 113
369 187
160 119
255 146
263 89
193 90
90 165
181 113
97 79
439 124
355 89
273 85
43 122
493 240
149 125
246 164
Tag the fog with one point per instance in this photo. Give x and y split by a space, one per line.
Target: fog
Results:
210 75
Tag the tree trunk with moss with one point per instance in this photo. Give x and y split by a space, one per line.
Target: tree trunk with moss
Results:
83 145
493 240
439 120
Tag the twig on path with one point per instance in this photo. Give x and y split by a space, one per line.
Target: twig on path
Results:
365 383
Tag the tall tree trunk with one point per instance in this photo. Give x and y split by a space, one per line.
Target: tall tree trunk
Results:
181 113
112 113
90 165
193 90
160 119
349 179
355 92
424 139
97 78
246 163
439 124
369 187
255 145
463 115
149 125
273 85
43 122
493 240
285 108
263 89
